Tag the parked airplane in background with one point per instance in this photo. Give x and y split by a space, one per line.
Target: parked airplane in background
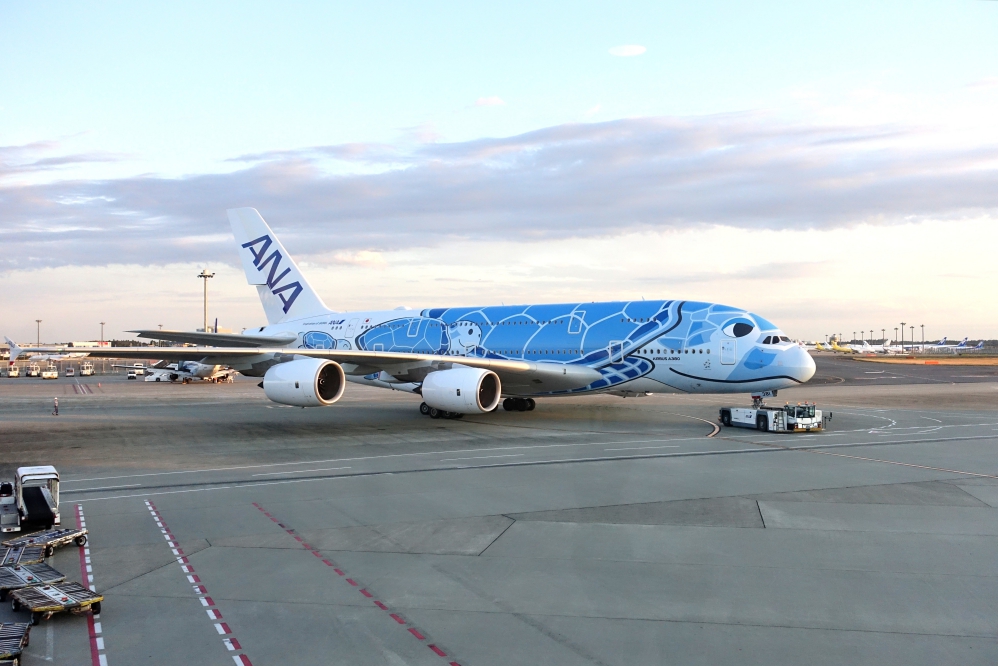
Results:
841 349
465 360
941 346
186 371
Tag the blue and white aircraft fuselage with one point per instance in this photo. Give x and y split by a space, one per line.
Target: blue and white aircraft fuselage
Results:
638 347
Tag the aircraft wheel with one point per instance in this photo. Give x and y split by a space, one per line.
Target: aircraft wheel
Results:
531 404
424 409
508 404
435 413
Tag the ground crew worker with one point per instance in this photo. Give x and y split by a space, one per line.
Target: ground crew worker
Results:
55 410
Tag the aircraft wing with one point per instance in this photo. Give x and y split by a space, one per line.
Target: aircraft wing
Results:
217 339
512 373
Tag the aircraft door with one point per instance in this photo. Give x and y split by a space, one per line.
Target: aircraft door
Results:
616 350
727 352
352 327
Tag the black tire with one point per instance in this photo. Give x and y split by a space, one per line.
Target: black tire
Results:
15 605
508 404
435 413
521 405
95 608
531 404
726 418
457 415
36 618
3 595
49 551
760 423
81 540
424 409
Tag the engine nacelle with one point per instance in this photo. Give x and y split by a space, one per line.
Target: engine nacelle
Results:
307 382
462 390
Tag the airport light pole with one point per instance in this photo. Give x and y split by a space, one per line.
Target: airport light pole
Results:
205 275
923 337
38 332
902 336
912 327
883 334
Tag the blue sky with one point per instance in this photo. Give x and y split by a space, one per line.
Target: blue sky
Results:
126 128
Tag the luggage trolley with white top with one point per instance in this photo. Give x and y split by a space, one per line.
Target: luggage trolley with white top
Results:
51 539
27 575
44 601
10 557
13 640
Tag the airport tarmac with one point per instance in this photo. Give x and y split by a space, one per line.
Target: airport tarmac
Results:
590 531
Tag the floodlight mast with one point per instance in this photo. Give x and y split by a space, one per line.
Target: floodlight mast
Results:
205 275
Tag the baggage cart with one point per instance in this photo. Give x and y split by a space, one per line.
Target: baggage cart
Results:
49 540
21 555
45 601
27 575
13 640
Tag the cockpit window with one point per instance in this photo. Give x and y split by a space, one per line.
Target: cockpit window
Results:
784 338
768 339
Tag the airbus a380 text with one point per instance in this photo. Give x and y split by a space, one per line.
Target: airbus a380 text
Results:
466 359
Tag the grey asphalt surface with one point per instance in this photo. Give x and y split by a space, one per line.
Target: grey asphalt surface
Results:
590 531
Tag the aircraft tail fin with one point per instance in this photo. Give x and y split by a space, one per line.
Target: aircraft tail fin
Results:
963 343
15 351
284 291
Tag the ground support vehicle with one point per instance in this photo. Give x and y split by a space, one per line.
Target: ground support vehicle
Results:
21 555
27 575
35 499
50 372
70 371
86 369
33 370
51 539
45 601
802 417
13 371
13 640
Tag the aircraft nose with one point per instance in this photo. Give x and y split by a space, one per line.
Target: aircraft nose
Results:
799 364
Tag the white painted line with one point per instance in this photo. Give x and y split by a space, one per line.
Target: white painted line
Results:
507 455
302 471
382 457
931 419
642 448
85 490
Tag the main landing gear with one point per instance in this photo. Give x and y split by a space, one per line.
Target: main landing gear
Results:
435 413
519 404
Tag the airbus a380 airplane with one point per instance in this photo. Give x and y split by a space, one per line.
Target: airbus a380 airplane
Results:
465 360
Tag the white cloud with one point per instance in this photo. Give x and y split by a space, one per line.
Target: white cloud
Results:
592 112
494 100
360 258
627 50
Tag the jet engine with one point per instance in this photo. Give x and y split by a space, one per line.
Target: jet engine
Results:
462 390
307 382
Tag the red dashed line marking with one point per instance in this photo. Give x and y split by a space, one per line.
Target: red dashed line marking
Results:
230 642
364 591
94 629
